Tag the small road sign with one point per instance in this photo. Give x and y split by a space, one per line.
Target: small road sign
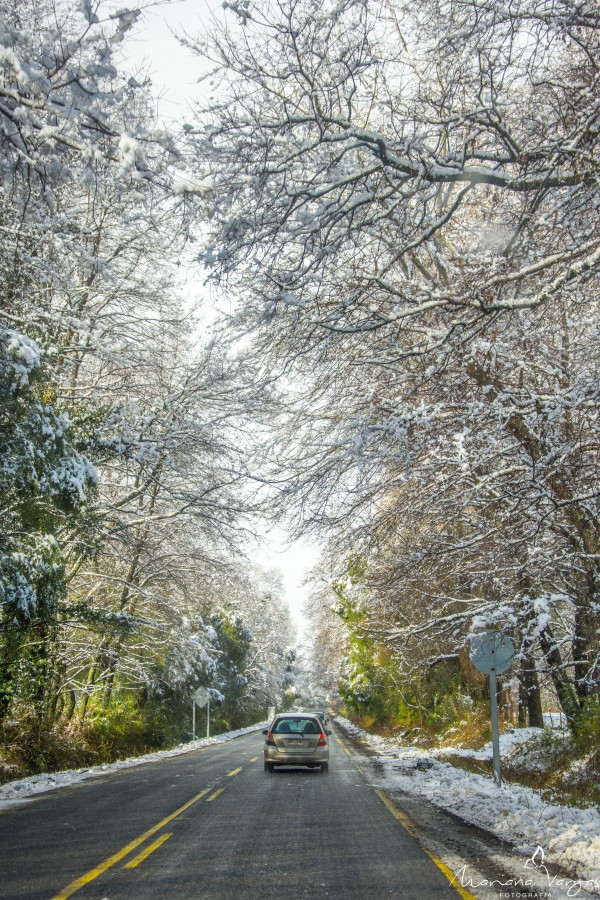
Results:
492 650
201 697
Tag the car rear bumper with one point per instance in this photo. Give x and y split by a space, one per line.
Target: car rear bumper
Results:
296 757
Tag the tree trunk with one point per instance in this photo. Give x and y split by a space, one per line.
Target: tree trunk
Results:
70 704
586 627
530 700
564 689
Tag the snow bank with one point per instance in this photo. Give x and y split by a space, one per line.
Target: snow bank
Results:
569 837
508 741
19 791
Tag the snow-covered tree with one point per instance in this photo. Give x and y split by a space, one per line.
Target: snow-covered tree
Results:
129 449
406 205
45 485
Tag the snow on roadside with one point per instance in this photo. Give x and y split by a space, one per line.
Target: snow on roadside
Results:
508 741
15 792
568 836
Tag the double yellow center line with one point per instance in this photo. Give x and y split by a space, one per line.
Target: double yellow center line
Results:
125 851
147 851
117 857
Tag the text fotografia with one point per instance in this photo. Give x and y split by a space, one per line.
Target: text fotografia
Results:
524 886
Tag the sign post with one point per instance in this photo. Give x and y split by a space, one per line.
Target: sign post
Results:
201 698
492 653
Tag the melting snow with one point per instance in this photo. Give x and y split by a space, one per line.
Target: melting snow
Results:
569 837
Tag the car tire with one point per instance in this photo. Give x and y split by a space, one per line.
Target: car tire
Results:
269 767
324 768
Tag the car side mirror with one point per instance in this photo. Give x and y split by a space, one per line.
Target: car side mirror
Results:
266 731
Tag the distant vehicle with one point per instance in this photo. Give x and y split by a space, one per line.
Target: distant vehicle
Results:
322 716
296 739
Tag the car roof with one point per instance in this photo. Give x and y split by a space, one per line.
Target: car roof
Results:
295 715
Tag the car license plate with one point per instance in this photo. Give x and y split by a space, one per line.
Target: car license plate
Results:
295 741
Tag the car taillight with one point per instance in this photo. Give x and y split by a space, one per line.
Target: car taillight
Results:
322 742
270 738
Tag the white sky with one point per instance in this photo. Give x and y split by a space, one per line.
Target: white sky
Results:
175 71
294 561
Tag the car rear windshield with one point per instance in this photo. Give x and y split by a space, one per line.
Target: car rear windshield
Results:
297 726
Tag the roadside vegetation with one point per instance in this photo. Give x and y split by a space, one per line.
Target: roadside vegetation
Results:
447 706
563 768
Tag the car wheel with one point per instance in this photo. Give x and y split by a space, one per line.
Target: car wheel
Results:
324 767
269 767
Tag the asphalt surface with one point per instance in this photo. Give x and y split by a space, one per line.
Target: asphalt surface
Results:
213 824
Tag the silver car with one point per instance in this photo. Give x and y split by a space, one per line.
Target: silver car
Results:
296 739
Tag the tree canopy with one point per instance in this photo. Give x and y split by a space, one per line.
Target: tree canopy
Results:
406 207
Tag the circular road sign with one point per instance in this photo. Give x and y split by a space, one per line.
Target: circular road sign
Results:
492 651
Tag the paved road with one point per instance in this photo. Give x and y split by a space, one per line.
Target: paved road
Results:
213 824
